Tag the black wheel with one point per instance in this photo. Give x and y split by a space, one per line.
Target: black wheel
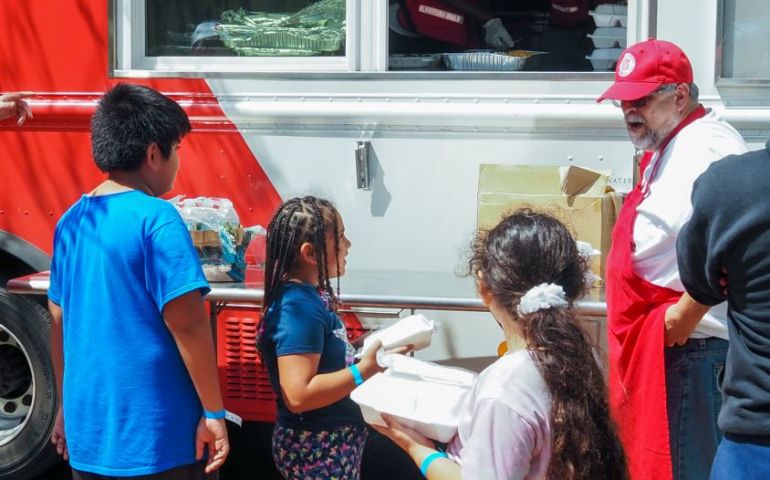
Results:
27 389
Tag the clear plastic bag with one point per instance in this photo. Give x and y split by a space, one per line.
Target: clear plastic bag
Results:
217 236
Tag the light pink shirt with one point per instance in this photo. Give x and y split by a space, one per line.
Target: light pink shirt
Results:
504 431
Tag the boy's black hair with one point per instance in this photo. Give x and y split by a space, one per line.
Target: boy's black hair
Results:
129 119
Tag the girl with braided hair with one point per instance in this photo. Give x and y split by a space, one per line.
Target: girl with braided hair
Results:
319 432
540 411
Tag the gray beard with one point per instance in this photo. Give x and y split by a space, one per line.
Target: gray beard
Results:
653 139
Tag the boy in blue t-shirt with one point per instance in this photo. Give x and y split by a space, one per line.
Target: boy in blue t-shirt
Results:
130 339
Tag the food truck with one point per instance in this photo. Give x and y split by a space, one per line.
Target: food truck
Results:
409 134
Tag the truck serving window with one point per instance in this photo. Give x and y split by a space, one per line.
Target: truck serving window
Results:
745 57
175 37
506 35
172 37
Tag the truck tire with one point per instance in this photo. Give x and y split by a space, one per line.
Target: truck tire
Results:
27 389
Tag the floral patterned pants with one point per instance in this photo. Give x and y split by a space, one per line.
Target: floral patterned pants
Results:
324 455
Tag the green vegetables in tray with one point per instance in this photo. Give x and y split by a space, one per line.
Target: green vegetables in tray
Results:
315 30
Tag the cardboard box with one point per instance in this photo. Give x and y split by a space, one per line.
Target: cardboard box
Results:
222 261
211 239
579 197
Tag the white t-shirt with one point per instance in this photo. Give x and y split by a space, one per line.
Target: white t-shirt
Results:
668 206
504 430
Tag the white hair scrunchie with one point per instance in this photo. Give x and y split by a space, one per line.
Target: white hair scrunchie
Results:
543 296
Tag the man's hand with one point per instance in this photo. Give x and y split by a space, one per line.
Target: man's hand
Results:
496 36
723 280
677 333
13 105
57 435
681 319
214 434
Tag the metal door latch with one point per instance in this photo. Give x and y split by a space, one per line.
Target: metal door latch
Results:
362 165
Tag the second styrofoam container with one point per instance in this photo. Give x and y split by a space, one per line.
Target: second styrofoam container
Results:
604 58
609 15
414 330
609 37
423 396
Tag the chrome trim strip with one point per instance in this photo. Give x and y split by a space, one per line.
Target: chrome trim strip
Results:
390 75
37 284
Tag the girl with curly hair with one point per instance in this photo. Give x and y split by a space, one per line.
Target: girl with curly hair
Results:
540 411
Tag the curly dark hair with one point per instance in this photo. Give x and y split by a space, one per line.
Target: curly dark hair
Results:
299 220
526 249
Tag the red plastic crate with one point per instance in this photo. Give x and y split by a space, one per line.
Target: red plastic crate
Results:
244 381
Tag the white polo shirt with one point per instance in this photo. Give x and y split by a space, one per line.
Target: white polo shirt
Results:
668 206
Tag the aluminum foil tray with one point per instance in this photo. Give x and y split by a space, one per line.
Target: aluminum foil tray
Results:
489 61
316 39
274 52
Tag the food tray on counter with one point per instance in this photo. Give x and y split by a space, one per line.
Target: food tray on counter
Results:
484 60
316 39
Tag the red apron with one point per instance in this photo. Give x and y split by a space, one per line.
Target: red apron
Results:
635 315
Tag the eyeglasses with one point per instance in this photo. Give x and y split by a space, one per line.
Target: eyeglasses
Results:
641 102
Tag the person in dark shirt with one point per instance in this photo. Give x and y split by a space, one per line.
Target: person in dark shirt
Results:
730 232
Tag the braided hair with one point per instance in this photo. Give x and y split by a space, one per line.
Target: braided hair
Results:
299 220
524 250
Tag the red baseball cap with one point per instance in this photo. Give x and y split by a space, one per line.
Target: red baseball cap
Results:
645 66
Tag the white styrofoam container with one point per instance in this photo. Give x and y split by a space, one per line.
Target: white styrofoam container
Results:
591 255
609 15
414 330
609 37
587 250
427 404
604 58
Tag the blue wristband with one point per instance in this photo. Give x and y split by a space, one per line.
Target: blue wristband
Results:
428 460
219 414
356 374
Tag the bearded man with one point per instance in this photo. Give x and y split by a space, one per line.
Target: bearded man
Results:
664 396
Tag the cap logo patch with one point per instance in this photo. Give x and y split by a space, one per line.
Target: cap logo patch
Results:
627 64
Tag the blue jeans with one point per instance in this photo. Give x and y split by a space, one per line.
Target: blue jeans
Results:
742 457
693 381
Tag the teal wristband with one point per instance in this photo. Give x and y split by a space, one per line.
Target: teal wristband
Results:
219 414
428 460
356 374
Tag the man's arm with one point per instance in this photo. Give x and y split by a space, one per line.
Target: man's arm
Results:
57 359
495 34
188 322
682 318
